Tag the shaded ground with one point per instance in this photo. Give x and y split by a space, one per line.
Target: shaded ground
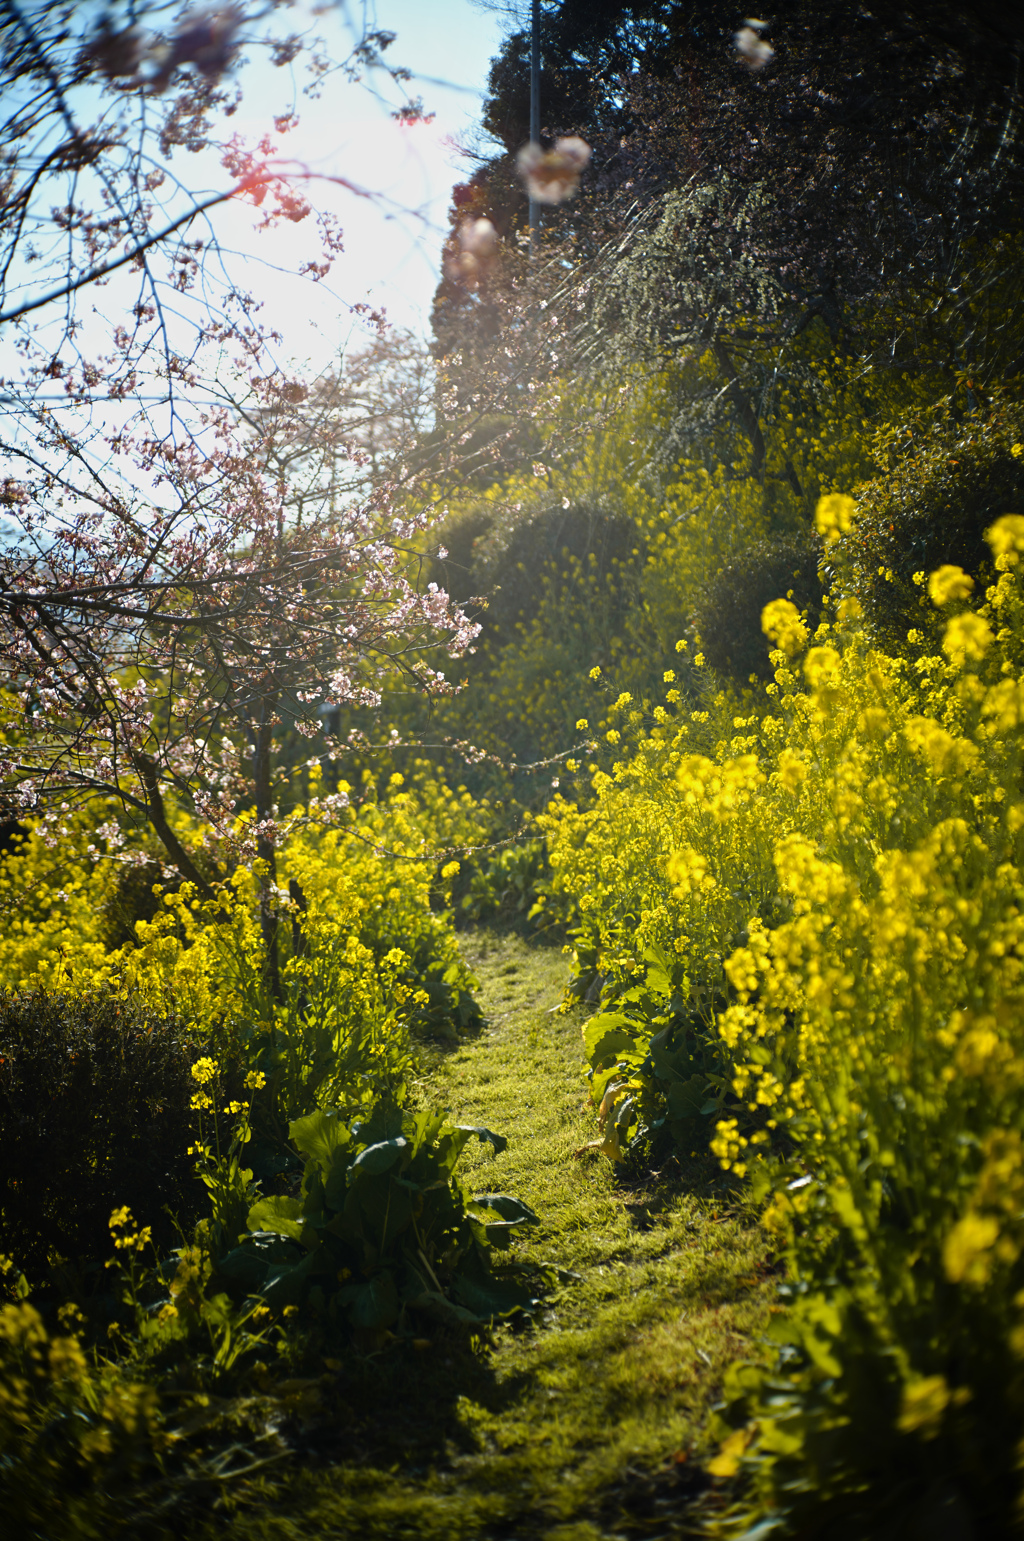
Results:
587 1425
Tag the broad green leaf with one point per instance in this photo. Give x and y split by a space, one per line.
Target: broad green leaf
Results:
492 1297
286 1286
385 1208
659 971
614 1045
319 1135
385 1122
336 1185
686 1098
379 1158
605 1025
373 1305
423 1128
670 1063
502 1209
279 1214
440 1309
245 1267
659 983
485 1136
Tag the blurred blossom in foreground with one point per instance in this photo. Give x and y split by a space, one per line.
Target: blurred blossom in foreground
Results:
206 39
477 241
751 46
552 176
478 237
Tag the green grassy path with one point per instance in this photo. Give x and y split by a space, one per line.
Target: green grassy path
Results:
587 1425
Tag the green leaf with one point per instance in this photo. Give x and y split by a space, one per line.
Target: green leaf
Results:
373 1305
669 1064
336 1186
485 1136
604 1038
492 1297
659 983
423 1128
246 1266
279 1214
384 1208
659 971
606 1024
686 1098
319 1135
286 1286
504 1210
440 1309
385 1122
380 1157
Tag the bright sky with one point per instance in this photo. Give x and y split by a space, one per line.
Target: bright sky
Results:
392 238
392 248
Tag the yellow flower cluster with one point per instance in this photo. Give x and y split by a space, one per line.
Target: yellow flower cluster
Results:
845 882
46 1381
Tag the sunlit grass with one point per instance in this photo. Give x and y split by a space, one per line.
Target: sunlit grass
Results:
563 1429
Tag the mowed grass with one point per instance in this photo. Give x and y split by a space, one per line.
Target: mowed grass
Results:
590 1422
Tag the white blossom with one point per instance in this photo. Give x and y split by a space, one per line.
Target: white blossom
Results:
752 48
478 237
552 176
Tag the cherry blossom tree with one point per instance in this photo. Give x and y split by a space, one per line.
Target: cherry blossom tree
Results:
182 568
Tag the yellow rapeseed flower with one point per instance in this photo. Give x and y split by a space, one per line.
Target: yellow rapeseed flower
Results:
923 1405
967 636
1006 537
949 582
781 622
967 1251
834 515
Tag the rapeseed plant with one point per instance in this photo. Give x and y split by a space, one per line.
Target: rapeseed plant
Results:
841 882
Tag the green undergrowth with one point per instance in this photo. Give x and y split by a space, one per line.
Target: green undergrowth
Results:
585 1423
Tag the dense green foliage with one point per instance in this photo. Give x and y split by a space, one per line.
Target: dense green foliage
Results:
379 1206
202 1172
94 1114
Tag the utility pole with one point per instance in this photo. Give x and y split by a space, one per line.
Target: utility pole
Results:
535 113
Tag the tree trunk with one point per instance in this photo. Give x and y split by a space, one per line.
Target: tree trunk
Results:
746 413
147 772
265 848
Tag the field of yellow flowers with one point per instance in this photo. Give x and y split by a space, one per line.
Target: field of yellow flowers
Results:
794 905
808 925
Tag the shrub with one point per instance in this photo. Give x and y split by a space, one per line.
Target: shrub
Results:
559 545
947 482
727 610
94 1115
509 884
